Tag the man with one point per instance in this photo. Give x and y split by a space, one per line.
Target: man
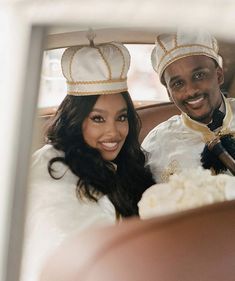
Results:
190 67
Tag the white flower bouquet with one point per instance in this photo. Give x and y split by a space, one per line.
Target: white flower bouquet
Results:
189 189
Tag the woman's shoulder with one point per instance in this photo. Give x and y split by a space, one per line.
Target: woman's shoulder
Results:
40 162
47 152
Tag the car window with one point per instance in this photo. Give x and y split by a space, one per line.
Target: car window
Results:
143 83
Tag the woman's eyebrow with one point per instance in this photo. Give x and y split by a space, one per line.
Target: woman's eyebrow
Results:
98 110
123 110
104 111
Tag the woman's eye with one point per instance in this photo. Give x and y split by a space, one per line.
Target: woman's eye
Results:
97 119
123 118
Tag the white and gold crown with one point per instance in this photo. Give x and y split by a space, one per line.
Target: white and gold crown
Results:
171 47
96 69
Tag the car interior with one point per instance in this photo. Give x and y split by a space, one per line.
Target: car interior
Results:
193 245
151 113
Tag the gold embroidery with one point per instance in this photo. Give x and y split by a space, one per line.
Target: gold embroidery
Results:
207 134
76 49
180 47
161 44
102 92
71 60
175 40
63 71
172 168
106 63
123 66
96 82
215 45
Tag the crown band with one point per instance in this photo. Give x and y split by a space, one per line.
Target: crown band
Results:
96 93
96 87
96 82
189 47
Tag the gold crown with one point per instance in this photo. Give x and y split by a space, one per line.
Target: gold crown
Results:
171 47
96 69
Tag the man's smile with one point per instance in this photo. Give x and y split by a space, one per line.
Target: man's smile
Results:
195 102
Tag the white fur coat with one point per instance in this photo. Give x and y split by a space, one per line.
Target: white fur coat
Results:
54 212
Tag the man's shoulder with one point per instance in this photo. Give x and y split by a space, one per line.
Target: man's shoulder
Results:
163 129
170 123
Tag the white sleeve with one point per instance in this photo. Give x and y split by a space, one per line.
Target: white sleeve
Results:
147 142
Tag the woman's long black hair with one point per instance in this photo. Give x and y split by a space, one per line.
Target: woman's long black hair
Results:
123 185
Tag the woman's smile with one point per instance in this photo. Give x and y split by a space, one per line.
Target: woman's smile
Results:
107 127
110 146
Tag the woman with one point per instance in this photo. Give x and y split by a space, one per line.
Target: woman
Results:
92 170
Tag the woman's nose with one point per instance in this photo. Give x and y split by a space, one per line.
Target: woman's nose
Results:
112 129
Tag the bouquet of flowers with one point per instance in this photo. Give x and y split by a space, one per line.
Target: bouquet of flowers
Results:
189 189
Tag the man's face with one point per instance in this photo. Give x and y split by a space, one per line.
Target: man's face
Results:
193 83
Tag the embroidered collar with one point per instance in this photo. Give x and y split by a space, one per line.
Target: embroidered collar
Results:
207 134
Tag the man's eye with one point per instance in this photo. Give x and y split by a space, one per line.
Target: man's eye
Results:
199 75
177 84
97 119
123 118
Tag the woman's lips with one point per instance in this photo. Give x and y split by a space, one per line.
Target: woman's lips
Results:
109 146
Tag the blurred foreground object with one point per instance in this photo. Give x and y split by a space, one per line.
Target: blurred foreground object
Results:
195 245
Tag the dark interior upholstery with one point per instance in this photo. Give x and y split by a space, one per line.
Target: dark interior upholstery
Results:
196 245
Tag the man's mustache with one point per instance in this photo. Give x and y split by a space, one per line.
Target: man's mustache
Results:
194 97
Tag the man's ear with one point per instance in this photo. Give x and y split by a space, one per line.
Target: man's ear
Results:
169 95
220 75
168 92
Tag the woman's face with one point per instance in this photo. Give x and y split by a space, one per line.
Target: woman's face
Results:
106 127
